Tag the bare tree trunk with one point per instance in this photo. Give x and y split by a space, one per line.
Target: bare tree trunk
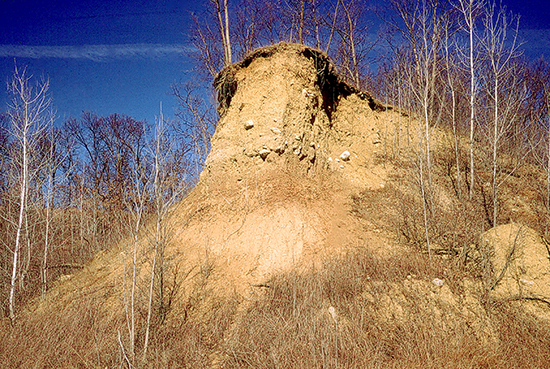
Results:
316 23
223 24
499 57
467 10
470 23
27 110
139 202
151 291
160 214
227 39
547 98
472 100
351 41
495 146
50 195
333 27
425 210
22 201
301 23
451 84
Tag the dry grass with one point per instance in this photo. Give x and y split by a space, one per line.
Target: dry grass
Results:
291 326
288 324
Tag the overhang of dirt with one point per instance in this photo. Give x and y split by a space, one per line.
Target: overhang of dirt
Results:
329 81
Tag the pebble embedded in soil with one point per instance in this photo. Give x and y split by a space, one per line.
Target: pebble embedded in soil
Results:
248 124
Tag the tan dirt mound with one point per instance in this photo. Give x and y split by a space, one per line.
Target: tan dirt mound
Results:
519 263
291 146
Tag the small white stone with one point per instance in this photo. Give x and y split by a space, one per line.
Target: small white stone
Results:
438 282
332 312
525 281
264 152
345 155
248 124
275 130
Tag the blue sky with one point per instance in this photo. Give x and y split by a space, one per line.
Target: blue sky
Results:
104 56
122 56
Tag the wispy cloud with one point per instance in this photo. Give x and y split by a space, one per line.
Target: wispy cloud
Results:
93 52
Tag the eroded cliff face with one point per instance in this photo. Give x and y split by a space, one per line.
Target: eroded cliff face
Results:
276 113
281 106
292 142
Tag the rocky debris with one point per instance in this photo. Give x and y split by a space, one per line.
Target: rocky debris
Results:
264 152
345 155
248 124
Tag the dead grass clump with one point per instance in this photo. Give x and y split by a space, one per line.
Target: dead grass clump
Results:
192 338
322 318
524 339
90 330
355 312
79 334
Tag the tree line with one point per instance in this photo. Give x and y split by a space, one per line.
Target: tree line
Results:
458 67
68 191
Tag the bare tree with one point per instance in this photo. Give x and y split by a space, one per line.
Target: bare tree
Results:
168 185
425 27
222 12
452 82
547 105
500 50
104 146
197 123
470 10
136 205
349 38
29 115
53 160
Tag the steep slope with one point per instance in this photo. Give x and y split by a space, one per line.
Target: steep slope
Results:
274 187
